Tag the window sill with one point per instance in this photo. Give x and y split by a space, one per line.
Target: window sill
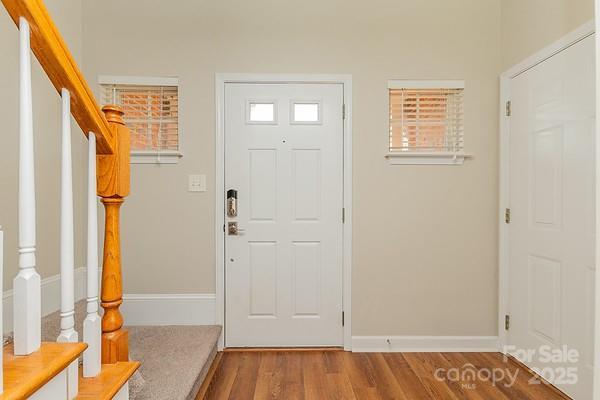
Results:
416 158
154 157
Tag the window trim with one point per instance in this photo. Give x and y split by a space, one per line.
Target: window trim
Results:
418 157
140 156
138 80
155 157
426 158
426 84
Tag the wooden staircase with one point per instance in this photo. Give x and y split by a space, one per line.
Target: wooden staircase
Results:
110 383
26 376
32 369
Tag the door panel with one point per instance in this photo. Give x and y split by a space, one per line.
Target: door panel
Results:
283 155
306 184
551 234
262 171
263 279
306 279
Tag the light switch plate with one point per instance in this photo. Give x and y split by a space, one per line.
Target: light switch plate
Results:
196 183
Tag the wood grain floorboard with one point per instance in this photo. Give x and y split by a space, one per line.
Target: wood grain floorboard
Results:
339 375
411 385
486 388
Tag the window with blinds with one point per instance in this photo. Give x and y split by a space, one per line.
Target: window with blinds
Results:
151 112
426 117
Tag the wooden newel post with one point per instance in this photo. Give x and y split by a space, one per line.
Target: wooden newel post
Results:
113 187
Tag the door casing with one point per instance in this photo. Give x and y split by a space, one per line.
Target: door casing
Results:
564 43
221 79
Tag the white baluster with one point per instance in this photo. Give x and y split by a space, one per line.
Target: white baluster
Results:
68 334
92 329
1 304
27 297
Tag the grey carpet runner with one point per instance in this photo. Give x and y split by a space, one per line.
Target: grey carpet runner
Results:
175 359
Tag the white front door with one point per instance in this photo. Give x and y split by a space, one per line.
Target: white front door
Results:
551 245
283 268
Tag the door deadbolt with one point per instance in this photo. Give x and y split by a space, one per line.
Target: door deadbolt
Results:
233 229
232 203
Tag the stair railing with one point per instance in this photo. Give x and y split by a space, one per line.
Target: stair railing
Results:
108 177
67 334
91 324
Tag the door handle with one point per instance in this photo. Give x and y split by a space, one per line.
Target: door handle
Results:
234 230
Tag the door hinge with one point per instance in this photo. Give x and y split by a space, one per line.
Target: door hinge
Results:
507 215
223 227
343 319
343 215
343 111
506 322
508 108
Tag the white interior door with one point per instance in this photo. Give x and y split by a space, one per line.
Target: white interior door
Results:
283 268
551 245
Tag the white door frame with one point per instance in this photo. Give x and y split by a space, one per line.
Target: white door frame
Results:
596 394
563 43
220 81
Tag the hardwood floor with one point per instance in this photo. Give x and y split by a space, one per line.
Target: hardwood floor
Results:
323 375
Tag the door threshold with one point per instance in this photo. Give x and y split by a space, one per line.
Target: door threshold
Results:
286 349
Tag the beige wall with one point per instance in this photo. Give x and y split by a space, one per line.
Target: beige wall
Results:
46 111
528 26
429 267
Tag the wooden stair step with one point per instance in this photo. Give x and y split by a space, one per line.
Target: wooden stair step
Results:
24 375
108 382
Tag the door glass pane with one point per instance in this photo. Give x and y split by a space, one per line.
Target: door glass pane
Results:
306 112
262 112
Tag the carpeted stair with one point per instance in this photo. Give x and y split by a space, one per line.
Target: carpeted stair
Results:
175 359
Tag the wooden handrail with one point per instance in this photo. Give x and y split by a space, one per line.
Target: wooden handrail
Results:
58 63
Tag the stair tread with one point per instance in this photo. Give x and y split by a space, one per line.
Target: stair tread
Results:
175 360
24 375
108 382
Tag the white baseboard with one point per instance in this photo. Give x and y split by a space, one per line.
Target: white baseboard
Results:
425 344
169 309
50 297
137 309
199 309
